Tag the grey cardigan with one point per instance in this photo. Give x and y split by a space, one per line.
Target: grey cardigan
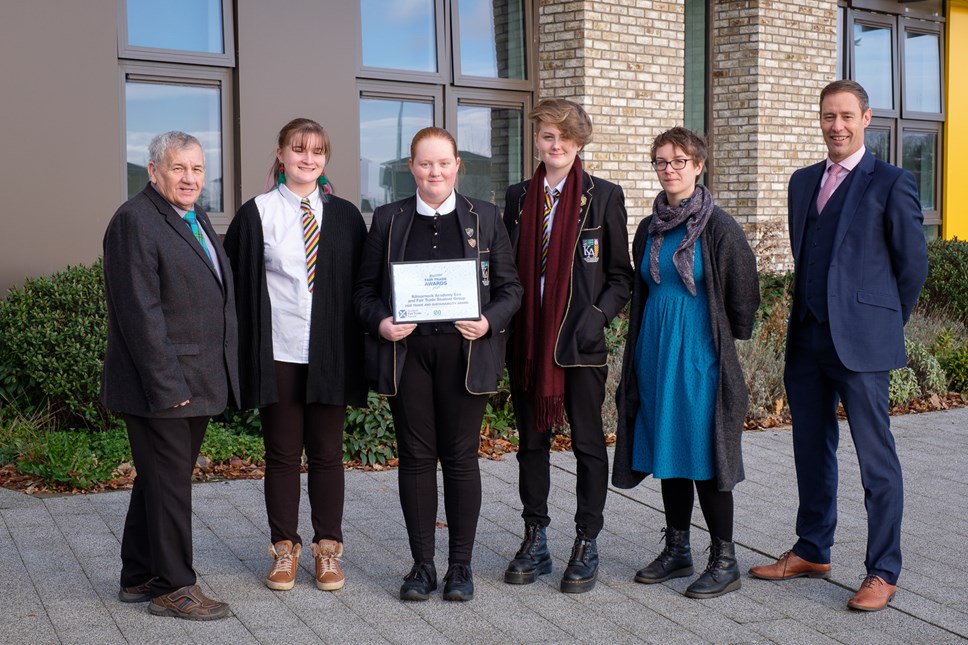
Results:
732 290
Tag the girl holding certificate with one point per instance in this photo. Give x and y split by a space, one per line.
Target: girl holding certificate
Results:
438 374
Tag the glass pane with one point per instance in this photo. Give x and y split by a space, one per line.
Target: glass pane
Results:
492 38
399 35
489 141
695 66
189 25
386 128
879 143
153 108
922 72
920 157
931 232
872 64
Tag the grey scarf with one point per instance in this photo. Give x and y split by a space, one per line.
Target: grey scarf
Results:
695 211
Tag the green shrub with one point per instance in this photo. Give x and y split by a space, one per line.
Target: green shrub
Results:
499 421
931 377
955 367
776 296
946 288
222 443
904 386
52 339
368 435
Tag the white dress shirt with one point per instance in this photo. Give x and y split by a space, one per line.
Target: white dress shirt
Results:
549 190
285 260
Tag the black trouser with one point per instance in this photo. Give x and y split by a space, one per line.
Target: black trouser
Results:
157 541
716 505
289 426
584 395
435 417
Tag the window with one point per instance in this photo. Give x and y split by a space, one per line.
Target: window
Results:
479 89
175 60
895 52
190 31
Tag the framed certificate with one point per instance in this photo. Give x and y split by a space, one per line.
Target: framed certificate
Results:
438 291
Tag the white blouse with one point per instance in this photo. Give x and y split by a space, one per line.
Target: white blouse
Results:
285 260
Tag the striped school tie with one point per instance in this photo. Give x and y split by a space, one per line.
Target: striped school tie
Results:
192 221
311 239
550 199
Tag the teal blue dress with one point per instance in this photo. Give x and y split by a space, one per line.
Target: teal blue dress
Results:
677 368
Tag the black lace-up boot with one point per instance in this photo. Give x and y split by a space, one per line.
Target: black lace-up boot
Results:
721 575
532 559
582 569
675 561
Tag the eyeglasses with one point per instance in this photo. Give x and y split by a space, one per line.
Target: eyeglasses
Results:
677 164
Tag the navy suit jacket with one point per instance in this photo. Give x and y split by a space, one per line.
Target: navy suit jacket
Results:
172 333
879 260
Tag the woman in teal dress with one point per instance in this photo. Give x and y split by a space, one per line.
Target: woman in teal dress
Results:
682 398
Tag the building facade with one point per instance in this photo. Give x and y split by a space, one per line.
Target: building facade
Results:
86 85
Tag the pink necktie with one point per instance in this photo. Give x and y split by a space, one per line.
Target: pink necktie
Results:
829 186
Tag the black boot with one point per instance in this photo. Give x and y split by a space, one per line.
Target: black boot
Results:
721 575
420 582
532 559
675 561
582 568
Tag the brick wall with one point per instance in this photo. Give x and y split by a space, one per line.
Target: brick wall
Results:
624 64
770 61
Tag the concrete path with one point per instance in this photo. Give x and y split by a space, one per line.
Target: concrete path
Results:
59 563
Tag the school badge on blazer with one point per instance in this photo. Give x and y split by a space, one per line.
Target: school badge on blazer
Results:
590 250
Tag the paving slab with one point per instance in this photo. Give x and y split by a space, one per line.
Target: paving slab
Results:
60 558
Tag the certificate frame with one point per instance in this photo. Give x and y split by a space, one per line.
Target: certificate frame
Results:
435 291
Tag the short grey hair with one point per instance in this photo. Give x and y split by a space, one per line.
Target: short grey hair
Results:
164 142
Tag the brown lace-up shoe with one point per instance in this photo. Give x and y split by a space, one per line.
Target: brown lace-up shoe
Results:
790 565
329 576
282 575
188 603
873 595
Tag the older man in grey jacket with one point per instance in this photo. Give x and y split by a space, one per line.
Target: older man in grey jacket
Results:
171 364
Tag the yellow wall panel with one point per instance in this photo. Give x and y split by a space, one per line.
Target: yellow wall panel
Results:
955 181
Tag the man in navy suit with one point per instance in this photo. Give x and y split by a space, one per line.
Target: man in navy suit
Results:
171 363
860 261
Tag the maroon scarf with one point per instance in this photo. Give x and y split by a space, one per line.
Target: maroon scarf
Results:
537 323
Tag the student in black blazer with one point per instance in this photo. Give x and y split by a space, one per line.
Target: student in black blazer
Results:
295 252
170 365
438 375
569 230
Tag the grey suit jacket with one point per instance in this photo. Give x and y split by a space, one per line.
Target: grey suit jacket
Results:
172 332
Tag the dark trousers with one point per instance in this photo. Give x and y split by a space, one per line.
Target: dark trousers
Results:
157 541
435 417
716 505
815 381
290 426
584 395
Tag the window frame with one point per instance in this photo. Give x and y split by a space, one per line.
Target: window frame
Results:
133 52
881 21
466 80
906 25
441 15
175 74
932 217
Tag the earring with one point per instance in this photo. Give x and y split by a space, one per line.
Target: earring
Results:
281 178
324 184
